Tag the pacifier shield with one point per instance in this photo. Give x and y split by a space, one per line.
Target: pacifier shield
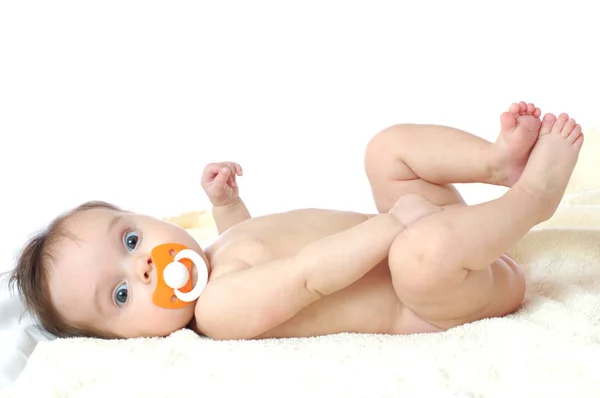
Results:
163 256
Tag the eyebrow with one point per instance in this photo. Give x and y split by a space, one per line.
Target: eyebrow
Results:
113 223
98 291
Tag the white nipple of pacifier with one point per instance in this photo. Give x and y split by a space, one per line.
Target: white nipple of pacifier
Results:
176 275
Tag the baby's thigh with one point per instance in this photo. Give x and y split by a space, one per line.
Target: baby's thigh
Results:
447 295
493 291
390 177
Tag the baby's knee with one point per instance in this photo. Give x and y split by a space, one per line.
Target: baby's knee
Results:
383 139
387 147
419 264
422 250
381 154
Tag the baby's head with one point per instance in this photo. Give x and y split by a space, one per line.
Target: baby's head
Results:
90 273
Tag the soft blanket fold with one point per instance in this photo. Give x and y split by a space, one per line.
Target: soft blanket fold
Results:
550 347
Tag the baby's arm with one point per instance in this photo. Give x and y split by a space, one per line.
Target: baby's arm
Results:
219 183
249 302
228 215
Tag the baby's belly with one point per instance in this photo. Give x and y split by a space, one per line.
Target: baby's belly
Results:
368 306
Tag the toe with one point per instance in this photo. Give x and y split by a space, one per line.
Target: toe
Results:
522 108
530 108
574 133
547 123
579 140
514 109
508 121
537 112
568 128
560 123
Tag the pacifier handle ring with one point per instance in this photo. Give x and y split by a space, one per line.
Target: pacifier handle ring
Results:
202 275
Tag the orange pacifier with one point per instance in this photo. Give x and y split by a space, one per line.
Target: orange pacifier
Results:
173 264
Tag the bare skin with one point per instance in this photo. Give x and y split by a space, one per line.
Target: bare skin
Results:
313 272
396 166
425 263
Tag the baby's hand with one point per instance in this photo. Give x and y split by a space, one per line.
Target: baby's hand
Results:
218 181
411 207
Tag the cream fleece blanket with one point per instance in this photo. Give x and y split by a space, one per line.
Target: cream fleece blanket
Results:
550 347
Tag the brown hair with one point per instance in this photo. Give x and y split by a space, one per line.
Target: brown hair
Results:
30 276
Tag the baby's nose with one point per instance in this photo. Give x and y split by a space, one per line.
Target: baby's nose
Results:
144 269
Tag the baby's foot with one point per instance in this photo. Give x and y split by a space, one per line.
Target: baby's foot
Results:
519 129
410 208
551 162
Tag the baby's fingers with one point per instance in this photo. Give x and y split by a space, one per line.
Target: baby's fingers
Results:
235 168
210 172
238 169
223 176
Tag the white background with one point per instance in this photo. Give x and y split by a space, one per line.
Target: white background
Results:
127 101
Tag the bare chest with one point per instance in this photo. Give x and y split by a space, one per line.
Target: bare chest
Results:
264 239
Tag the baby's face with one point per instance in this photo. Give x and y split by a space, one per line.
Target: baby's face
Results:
105 278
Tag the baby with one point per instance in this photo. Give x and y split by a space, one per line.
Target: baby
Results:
426 262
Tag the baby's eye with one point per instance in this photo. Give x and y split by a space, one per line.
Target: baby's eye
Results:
121 294
130 240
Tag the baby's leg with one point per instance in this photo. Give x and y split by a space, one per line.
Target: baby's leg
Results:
449 267
427 159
